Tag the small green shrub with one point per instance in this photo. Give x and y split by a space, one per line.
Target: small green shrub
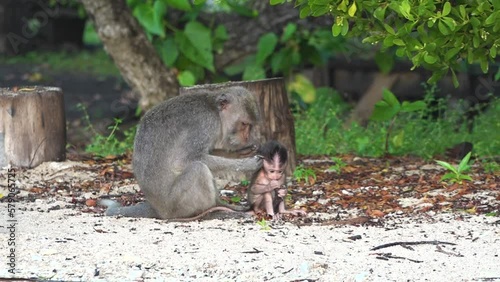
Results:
302 173
456 174
109 145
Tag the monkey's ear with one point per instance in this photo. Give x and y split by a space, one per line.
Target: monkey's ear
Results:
222 102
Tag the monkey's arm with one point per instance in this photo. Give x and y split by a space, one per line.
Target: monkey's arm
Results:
218 164
281 194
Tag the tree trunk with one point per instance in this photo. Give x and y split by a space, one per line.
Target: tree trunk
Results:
274 107
32 126
134 55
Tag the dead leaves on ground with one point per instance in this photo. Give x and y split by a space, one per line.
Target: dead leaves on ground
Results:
372 187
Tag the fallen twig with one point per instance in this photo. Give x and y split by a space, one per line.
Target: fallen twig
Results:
255 251
439 249
410 243
387 256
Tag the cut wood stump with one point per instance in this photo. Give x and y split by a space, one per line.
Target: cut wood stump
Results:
274 107
32 126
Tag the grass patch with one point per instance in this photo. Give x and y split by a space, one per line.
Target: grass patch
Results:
94 62
320 129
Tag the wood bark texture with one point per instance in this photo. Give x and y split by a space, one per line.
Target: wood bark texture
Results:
277 120
134 55
32 126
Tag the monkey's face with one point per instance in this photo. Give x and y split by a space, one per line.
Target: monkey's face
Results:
273 169
240 122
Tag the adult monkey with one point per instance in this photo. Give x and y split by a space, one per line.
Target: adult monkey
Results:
172 161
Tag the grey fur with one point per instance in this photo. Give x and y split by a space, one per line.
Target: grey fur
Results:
171 157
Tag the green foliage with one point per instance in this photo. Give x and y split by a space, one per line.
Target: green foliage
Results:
438 35
189 46
97 62
388 108
109 145
264 225
491 166
281 54
245 182
320 128
339 164
456 174
302 173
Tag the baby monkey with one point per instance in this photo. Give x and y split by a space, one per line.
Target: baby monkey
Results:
268 186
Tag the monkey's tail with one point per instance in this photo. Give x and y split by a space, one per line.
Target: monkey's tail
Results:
210 210
143 209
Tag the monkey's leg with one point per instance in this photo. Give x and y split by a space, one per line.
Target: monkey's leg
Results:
192 192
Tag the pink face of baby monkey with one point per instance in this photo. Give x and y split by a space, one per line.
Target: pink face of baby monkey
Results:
274 169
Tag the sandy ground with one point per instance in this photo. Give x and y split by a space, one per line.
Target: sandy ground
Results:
53 240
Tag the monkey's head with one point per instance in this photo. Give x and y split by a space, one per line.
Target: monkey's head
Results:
275 158
240 120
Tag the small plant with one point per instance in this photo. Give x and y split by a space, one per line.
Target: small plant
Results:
235 199
456 174
491 167
244 182
108 145
306 174
388 109
264 225
339 164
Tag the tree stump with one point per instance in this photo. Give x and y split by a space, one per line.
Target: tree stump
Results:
32 126
274 107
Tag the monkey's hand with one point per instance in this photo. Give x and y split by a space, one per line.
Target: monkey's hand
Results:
281 192
249 164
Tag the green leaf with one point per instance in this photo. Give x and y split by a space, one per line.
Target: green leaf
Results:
379 13
463 14
186 78
221 33
199 2
413 106
254 72
398 42
405 9
303 87
451 54
430 59
391 99
345 27
493 52
265 47
384 61
483 62
446 9
288 32
196 44
454 79
389 29
168 51
491 19
398 139
447 166
449 175
151 17
383 112
464 163
182 5
352 10
443 28
336 29
465 177
304 12
276 2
